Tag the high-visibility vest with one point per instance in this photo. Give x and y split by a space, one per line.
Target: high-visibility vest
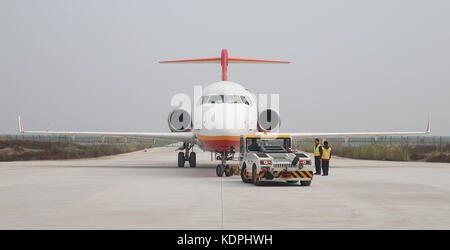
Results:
326 152
317 150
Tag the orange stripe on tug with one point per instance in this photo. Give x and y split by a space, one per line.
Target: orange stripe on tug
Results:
219 143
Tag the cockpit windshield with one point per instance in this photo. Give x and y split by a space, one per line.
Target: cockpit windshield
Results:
229 99
245 100
216 99
232 99
204 99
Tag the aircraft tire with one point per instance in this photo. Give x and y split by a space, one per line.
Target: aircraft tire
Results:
192 160
181 160
219 170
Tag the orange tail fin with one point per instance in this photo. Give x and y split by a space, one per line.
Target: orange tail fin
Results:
224 60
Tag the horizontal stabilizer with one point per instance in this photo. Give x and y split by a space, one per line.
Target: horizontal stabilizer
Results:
223 60
219 60
199 60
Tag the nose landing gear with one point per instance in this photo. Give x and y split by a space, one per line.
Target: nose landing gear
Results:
224 168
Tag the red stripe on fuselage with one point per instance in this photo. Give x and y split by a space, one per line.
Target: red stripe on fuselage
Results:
219 143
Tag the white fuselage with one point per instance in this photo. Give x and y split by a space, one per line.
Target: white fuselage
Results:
225 111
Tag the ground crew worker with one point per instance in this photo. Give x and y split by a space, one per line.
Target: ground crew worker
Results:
317 153
325 156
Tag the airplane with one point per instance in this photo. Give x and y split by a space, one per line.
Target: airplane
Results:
223 98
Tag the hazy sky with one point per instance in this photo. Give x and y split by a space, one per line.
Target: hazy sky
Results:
356 65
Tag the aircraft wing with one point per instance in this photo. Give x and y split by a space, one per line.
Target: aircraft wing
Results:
348 134
178 136
333 135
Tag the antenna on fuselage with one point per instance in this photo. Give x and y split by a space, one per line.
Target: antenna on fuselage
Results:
224 60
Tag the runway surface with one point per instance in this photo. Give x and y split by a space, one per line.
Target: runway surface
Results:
145 190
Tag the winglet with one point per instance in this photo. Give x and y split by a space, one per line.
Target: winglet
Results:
428 127
20 125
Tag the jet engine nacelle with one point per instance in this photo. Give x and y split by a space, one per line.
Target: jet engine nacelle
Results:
268 120
180 120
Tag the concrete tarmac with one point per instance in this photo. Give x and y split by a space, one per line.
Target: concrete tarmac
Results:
145 190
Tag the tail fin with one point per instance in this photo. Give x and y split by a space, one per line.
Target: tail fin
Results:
224 60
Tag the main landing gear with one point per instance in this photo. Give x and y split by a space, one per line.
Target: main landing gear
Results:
185 156
224 168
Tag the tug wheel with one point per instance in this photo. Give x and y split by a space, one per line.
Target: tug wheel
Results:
255 176
244 176
305 183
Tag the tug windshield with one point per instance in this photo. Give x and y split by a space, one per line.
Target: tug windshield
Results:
269 145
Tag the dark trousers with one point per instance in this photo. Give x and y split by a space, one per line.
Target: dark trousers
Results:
325 167
317 163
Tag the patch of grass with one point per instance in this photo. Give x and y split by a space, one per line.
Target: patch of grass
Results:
389 152
437 156
375 152
19 150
